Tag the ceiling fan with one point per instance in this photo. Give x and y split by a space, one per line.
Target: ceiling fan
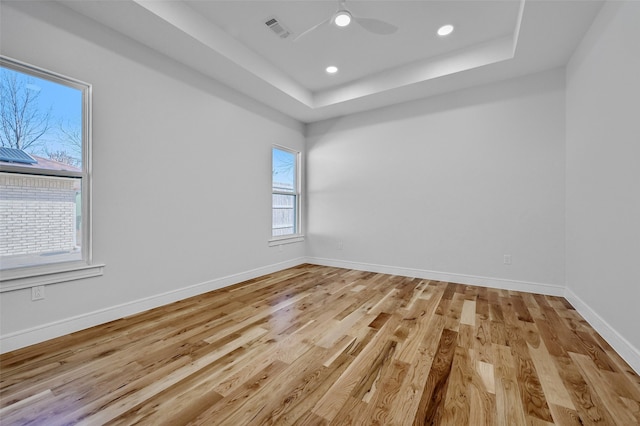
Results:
342 17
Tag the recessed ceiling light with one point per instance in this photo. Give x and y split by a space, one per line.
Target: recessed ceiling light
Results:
342 18
445 30
332 70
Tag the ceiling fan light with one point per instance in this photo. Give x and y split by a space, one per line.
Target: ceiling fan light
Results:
332 69
445 30
342 18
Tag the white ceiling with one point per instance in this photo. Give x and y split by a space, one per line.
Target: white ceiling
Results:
229 41
357 52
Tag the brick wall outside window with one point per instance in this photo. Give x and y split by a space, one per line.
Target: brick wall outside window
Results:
38 214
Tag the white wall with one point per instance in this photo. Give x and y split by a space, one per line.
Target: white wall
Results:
603 176
448 184
182 169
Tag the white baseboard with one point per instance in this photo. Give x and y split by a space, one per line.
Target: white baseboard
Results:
23 338
622 346
501 283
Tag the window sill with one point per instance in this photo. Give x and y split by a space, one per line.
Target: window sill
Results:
18 279
289 239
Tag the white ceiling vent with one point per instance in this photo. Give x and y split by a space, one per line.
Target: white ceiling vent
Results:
277 27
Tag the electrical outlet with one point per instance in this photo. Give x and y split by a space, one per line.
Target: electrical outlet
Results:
340 245
37 293
507 259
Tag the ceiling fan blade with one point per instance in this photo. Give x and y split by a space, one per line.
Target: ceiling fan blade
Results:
376 26
326 21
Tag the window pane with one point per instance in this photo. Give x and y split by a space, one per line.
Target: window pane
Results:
43 177
284 171
40 220
284 215
41 118
284 186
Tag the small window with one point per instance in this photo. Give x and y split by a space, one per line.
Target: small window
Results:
285 188
44 172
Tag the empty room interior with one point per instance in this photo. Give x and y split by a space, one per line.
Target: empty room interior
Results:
320 212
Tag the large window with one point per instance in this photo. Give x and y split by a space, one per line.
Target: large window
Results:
285 188
44 174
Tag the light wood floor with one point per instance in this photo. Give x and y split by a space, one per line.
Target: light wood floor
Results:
317 345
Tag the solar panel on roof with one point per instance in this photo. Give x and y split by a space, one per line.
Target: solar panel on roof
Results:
13 155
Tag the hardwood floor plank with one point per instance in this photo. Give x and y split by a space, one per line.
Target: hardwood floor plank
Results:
415 326
550 337
431 407
330 404
316 345
454 311
21 411
589 408
612 402
482 304
341 346
350 413
486 374
570 342
379 407
510 411
621 365
533 397
495 309
555 391
597 355
468 314
316 390
521 310
379 320
237 372
457 404
177 404
621 385
633 406
369 379
565 416
498 333
277 396
419 368
482 407
311 419
482 341
234 402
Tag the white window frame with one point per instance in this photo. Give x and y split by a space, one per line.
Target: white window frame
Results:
298 236
29 276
